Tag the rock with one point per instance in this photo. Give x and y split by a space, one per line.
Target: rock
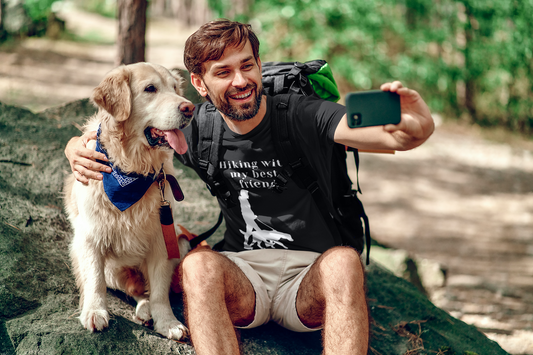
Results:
425 274
39 300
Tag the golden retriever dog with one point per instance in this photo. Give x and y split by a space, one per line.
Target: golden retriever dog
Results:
118 240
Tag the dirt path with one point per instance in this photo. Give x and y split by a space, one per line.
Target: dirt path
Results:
467 204
459 200
40 73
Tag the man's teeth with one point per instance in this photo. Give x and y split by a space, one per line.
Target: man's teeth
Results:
242 96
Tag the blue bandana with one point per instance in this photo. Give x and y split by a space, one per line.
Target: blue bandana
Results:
122 189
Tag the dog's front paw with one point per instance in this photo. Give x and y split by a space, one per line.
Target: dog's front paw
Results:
94 320
174 330
142 311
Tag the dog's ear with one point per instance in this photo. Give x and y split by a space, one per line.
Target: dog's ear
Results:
176 73
114 94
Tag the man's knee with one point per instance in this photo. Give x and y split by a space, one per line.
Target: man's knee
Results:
342 265
198 267
343 258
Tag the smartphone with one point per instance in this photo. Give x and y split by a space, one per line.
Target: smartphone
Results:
372 108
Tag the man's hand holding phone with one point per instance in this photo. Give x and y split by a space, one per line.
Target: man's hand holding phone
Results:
394 118
416 123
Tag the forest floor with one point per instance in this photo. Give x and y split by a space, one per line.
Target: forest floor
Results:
464 199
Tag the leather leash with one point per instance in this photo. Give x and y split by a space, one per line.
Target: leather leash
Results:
165 213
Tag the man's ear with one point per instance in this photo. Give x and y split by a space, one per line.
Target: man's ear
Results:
199 84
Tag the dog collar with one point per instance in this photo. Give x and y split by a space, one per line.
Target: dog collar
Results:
123 189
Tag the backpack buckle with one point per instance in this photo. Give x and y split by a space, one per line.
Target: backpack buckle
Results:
313 187
282 105
203 164
280 183
296 164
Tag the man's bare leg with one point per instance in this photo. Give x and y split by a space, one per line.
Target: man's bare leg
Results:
217 296
333 294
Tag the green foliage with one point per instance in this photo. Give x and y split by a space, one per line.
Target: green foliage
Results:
38 10
24 18
107 8
470 59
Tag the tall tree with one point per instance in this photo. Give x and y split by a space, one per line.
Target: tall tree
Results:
192 13
131 41
2 33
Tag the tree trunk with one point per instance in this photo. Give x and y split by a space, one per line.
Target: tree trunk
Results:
2 32
131 31
193 13
471 72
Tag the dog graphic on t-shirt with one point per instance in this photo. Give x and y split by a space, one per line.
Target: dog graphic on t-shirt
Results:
254 234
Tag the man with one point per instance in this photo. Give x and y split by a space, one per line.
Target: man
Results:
279 261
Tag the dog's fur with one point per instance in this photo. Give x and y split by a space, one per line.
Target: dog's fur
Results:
126 250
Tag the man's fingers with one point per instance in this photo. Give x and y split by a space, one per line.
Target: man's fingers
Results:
89 167
81 178
385 87
90 154
87 136
92 135
407 92
396 127
83 174
86 158
391 127
394 86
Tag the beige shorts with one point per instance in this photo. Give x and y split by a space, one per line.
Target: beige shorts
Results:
275 276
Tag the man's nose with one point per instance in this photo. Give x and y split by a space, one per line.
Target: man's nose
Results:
239 80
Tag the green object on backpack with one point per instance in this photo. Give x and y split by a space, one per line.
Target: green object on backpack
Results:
324 84
310 78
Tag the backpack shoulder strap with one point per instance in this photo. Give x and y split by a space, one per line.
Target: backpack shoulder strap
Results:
294 162
210 137
210 131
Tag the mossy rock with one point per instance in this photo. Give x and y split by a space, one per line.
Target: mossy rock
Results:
39 300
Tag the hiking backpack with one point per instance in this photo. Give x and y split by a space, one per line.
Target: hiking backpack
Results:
286 83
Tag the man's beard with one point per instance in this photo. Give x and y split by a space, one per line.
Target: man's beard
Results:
238 113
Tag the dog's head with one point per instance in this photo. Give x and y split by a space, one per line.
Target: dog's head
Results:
145 106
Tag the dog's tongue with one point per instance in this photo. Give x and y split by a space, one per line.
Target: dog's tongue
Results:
177 141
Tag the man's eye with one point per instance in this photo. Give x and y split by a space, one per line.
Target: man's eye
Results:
222 73
248 66
150 88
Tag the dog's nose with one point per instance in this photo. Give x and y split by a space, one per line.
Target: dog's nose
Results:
186 108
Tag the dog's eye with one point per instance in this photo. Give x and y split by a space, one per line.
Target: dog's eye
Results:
150 88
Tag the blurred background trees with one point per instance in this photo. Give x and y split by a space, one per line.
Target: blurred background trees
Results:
471 59
131 42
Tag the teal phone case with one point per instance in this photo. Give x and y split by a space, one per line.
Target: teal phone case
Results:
372 108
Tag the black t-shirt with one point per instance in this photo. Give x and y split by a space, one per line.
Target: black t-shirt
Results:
264 218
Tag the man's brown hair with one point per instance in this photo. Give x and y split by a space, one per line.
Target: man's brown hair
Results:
210 41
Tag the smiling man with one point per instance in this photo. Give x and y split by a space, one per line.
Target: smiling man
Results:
278 261
242 99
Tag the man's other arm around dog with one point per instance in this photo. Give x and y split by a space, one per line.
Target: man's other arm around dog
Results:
82 160
415 127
